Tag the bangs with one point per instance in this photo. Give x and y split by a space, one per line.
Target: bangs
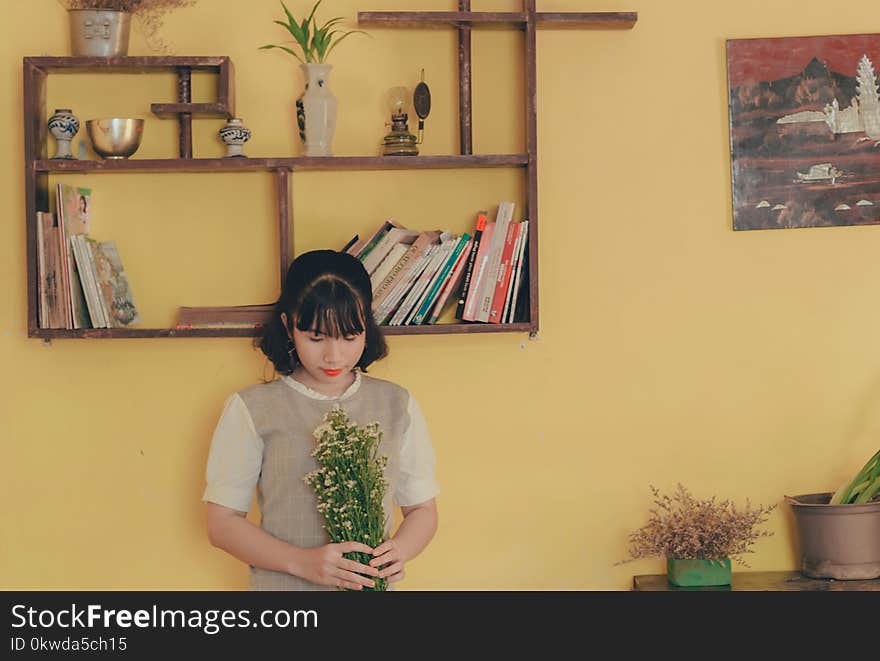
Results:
332 308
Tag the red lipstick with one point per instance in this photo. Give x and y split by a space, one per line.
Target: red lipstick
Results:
332 372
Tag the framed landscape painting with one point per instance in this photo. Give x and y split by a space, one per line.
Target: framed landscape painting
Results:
804 131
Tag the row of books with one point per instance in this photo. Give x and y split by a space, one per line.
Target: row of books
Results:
416 274
81 281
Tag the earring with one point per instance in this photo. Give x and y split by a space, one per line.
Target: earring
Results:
291 350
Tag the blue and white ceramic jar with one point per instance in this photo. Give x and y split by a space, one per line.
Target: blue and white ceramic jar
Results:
234 135
63 125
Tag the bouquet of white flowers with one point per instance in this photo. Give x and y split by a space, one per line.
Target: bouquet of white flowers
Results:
350 483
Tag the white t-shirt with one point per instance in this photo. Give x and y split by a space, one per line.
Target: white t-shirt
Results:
236 455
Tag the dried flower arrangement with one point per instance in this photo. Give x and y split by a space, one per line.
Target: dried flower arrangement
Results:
148 14
350 483
682 526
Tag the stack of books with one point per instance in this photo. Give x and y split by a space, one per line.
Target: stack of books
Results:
82 283
416 274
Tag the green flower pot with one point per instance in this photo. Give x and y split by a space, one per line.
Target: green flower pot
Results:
692 573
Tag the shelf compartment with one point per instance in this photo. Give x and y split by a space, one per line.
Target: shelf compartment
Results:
120 333
599 20
302 163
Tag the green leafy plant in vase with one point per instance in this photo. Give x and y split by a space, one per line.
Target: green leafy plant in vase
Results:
698 537
316 107
316 42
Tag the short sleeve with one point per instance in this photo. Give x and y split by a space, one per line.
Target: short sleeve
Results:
235 459
416 482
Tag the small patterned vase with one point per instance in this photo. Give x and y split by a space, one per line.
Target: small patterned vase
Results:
234 135
63 125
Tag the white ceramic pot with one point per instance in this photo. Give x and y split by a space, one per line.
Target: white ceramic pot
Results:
316 111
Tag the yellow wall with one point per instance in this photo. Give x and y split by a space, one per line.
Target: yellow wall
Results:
671 348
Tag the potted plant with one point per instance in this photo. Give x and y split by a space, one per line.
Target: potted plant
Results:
316 107
697 537
101 28
839 532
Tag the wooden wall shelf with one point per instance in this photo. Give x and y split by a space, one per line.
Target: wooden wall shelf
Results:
313 163
122 333
38 166
518 20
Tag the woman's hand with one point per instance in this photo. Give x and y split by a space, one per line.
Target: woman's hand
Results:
325 565
390 560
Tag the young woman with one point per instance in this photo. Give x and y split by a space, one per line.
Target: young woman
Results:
321 340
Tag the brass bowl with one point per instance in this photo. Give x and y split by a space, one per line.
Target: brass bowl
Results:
115 137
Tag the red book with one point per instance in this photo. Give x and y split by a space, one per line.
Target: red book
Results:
503 274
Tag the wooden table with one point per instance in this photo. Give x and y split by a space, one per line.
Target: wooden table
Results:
758 580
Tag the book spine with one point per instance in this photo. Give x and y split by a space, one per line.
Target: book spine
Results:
351 242
418 288
514 264
106 306
487 288
520 268
60 304
54 300
470 306
500 291
373 240
442 275
78 307
388 263
42 272
403 266
451 284
372 260
469 267
388 307
87 280
64 265
431 277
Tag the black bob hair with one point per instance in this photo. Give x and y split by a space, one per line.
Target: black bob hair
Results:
329 292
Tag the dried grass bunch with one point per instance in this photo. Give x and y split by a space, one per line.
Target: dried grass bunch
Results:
682 526
147 14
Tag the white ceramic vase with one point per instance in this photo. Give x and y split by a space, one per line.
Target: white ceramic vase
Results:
316 111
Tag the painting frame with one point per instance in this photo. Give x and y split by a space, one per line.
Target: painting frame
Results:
804 129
